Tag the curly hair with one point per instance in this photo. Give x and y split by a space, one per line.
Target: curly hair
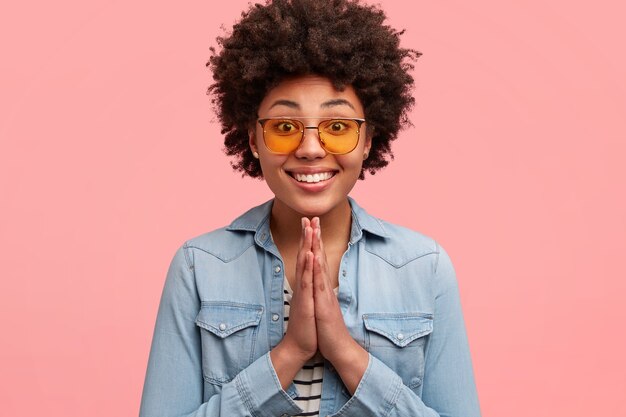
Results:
342 40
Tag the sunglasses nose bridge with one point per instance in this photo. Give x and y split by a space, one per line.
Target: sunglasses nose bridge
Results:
310 147
316 133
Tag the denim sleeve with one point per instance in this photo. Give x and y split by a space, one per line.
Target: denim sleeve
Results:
174 384
448 386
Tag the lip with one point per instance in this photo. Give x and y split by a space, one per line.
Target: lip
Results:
309 170
310 186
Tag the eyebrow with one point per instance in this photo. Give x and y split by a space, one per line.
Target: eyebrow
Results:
286 103
325 105
337 102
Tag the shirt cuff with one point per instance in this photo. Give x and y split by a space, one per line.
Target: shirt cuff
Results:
377 392
260 389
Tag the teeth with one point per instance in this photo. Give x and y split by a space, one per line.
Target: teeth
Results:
313 178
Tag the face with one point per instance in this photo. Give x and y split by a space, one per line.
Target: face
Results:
286 175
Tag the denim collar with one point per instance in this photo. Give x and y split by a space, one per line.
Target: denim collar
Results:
257 220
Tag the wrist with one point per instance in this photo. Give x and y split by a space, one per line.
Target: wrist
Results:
351 363
348 355
287 360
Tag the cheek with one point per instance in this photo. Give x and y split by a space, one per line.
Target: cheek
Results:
271 165
352 161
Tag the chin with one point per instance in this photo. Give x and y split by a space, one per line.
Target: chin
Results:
312 208
309 210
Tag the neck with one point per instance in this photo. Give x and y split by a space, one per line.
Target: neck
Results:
285 224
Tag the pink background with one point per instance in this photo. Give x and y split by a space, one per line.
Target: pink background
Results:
110 158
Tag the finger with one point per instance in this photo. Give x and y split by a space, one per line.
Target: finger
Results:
321 278
307 275
318 249
304 223
321 245
303 292
301 256
308 239
315 221
321 241
317 235
321 271
306 282
318 274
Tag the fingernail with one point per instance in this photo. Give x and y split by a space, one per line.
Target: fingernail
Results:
318 232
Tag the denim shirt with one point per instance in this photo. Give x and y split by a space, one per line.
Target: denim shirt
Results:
221 312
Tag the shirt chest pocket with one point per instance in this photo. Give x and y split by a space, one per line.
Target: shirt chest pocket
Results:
398 340
229 334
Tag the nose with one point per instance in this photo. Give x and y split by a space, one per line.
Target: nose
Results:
310 146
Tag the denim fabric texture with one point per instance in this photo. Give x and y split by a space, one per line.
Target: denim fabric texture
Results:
221 312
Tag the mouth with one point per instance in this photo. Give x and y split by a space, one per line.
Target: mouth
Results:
312 178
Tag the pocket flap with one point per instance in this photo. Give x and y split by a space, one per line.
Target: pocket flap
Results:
223 318
400 328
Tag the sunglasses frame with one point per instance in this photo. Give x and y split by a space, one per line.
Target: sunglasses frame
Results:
359 122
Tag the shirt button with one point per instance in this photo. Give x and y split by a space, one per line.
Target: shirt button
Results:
344 273
222 326
277 269
275 317
400 336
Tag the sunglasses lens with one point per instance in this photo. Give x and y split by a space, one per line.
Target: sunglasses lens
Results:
282 135
339 136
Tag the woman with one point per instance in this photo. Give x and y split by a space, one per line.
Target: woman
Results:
307 305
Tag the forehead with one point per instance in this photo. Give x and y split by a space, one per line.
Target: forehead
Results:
310 94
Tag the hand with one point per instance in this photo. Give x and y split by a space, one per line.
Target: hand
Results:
332 334
300 341
301 336
333 338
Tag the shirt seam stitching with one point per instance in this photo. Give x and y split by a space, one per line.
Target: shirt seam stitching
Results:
218 257
405 263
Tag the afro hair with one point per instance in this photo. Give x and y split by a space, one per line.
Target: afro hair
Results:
342 40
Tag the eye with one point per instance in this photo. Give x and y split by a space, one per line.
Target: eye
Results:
285 127
339 127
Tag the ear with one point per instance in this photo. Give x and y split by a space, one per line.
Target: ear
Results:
368 141
252 140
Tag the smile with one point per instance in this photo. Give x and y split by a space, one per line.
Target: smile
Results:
313 178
